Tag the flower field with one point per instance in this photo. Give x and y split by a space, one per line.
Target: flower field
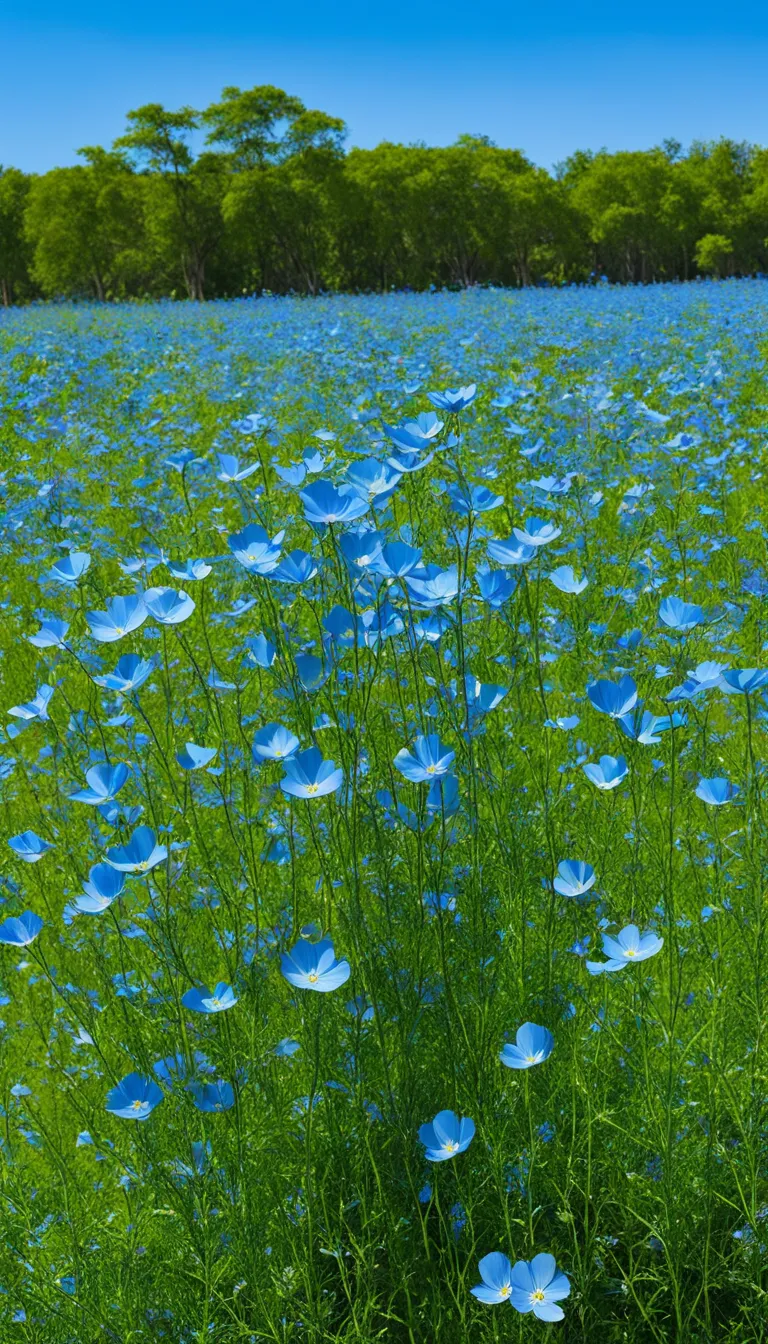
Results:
385 819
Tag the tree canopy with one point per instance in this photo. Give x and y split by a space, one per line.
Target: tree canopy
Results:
257 192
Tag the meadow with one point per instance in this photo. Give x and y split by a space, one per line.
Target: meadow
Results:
385 819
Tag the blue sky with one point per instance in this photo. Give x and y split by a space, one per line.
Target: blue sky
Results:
546 78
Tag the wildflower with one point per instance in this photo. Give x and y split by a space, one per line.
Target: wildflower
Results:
203 1001
628 947
314 966
134 1098
429 759
446 1136
532 1046
307 775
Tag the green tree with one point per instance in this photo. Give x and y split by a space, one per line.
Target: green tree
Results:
15 250
84 226
184 217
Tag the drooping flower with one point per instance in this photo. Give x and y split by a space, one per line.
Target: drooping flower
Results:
29 847
193 757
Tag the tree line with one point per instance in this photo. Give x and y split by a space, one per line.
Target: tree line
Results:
257 193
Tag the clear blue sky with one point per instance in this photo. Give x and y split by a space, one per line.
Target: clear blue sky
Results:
547 78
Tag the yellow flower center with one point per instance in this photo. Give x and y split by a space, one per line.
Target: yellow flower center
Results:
530 1059
119 630
136 1105
312 977
431 769
450 1146
215 1002
538 1296
630 952
312 788
505 1291
143 866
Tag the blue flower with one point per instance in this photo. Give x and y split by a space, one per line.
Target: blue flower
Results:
496 1273
134 1098
139 855
565 580
230 469
307 775
194 757
296 567
537 1286
32 709
167 607
216 1096
20 930
446 1136
314 966
574 877
254 550
613 698
512 552
71 568
123 614
680 616
131 673
433 587
609 773
29 846
323 503
745 680
103 887
537 532
717 791
473 499
104 783
191 571
454 399
273 742
51 634
203 1001
430 758
532 1046
628 947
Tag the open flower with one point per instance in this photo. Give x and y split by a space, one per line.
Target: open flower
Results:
629 946
314 966
532 1046
446 1136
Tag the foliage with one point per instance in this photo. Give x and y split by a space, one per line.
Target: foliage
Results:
272 202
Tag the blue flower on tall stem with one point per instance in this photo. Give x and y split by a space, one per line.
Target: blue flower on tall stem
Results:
314 966
446 1136
134 1098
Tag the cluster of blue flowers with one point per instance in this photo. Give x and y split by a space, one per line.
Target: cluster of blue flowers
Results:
466 682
